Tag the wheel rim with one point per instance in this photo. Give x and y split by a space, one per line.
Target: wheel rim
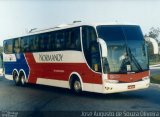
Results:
77 86
16 78
23 80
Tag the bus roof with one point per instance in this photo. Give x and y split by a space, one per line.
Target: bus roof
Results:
76 24
65 26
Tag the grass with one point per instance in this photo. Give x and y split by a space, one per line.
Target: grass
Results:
153 63
155 79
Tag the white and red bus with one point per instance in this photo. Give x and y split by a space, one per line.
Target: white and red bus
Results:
103 58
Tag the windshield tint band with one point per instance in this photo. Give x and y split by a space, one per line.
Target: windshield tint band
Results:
126 48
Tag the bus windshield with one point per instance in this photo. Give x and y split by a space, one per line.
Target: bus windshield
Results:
126 48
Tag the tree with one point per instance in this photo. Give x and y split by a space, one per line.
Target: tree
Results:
1 49
154 33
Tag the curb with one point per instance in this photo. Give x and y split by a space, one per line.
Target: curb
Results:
154 65
155 84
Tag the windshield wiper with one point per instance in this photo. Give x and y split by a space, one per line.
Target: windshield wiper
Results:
132 58
128 50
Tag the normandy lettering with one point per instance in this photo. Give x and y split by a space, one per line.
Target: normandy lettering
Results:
54 57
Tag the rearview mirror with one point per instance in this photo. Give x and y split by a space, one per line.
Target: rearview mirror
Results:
154 43
103 46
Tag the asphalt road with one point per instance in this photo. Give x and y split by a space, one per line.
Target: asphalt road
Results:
36 100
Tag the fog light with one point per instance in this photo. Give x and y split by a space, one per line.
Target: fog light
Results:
108 88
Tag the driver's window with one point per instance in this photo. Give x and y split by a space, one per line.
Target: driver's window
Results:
91 48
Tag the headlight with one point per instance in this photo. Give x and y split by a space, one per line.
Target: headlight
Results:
111 81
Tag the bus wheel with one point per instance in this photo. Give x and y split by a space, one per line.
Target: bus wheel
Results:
16 78
22 80
76 86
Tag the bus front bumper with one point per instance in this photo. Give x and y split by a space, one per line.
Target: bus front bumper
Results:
122 87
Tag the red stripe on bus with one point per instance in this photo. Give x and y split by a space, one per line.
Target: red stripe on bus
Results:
132 77
60 71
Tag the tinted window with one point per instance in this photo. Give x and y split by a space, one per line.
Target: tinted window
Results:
91 48
133 32
31 43
59 40
73 39
43 42
117 33
8 46
110 33
25 44
51 41
35 43
68 39
76 38
16 45
125 46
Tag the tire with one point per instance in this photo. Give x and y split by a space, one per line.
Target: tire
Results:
16 78
22 80
76 86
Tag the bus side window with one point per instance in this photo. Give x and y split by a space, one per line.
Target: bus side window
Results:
36 44
76 38
67 39
41 42
62 40
91 48
31 43
52 40
59 41
50 44
46 39
16 46
25 44
73 39
8 46
95 56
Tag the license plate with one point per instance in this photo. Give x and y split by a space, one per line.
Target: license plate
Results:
131 86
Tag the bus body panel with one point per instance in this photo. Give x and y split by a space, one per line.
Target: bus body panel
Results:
53 73
61 70
15 61
130 77
123 87
54 67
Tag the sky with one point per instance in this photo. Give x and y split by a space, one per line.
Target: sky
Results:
19 16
